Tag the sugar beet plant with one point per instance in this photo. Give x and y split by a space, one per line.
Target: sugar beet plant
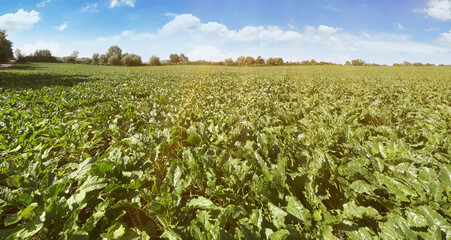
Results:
89 152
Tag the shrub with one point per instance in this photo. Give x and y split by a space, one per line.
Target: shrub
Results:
103 60
174 58
114 60
357 62
131 60
95 59
154 61
228 62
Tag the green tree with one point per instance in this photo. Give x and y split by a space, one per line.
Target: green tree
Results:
271 61
249 61
228 62
406 63
103 59
357 62
44 53
260 61
6 47
183 58
131 60
115 50
154 61
174 58
75 54
240 61
275 61
114 60
72 58
19 55
41 55
84 60
95 59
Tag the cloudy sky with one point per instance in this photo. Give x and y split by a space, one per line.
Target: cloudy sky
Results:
382 31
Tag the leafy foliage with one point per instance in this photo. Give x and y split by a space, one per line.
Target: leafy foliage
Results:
90 152
6 47
154 61
41 55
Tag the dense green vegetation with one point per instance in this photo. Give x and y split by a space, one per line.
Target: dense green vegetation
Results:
202 152
6 52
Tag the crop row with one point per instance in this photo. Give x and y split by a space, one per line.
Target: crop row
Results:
226 153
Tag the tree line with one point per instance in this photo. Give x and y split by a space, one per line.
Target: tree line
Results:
115 57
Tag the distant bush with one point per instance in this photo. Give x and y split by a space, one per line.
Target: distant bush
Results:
183 58
417 64
174 58
95 59
42 55
72 58
228 62
114 57
114 60
131 60
357 62
249 61
154 61
114 50
240 61
274 61
103 59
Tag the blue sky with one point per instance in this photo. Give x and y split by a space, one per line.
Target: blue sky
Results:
382 31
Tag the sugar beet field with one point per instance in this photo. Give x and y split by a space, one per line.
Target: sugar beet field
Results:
204 152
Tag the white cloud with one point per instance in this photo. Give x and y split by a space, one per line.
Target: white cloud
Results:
43 3
396 44
89 8
327 30
432 29
439 9
330 8
445 39
61 27
322 34
215 41
400 26
126 35
181 23
188 24
170 14
291 26
117 3
366 35
206 52
19 21
31 48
